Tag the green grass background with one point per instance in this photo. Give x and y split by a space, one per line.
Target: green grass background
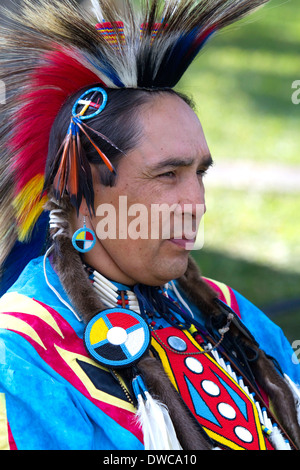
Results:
242 87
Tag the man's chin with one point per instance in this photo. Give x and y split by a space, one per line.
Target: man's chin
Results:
174 268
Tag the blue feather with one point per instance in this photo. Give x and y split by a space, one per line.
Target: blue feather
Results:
107 70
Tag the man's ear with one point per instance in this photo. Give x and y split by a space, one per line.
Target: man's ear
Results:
83 209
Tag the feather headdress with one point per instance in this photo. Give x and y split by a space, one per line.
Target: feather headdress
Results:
51 49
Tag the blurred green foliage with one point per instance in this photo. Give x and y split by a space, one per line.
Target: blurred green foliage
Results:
242 82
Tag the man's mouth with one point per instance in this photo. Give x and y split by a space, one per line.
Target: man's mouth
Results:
184 242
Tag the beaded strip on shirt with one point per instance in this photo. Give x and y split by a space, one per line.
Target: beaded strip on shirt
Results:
270 428
113 297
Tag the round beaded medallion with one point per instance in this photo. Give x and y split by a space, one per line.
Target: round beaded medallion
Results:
117 337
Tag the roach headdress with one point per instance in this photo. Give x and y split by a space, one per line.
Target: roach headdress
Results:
50 50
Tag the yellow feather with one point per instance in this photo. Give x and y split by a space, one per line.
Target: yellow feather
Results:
29 205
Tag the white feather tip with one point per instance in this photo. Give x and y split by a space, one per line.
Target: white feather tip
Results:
97 10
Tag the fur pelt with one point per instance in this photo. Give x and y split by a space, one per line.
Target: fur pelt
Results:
280 395
198 291
156 55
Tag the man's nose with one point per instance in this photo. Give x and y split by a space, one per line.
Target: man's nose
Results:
192 195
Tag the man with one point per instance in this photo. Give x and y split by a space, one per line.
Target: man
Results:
112 340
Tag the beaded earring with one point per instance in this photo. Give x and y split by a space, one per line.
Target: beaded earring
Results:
84 239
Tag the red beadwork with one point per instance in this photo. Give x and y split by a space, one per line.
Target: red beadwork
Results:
217 402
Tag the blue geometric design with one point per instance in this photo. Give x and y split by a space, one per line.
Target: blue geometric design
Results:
236 398
89 94
200 406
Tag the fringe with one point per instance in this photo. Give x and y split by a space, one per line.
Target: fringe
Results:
278 440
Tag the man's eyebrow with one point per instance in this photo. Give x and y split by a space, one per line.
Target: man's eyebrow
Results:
172 162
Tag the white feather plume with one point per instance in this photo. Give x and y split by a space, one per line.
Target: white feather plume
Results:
155 421
278 440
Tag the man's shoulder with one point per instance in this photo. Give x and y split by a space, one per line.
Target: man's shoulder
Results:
225 293
27 299
30 279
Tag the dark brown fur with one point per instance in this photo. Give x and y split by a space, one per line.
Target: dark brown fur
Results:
279 394
198 291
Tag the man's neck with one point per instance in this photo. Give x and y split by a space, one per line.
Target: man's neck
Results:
106 266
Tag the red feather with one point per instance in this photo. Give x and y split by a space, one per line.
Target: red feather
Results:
50 85
102 155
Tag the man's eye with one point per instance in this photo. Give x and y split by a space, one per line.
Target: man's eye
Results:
168 174
202 173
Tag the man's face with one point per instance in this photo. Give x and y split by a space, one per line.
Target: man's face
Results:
166 168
